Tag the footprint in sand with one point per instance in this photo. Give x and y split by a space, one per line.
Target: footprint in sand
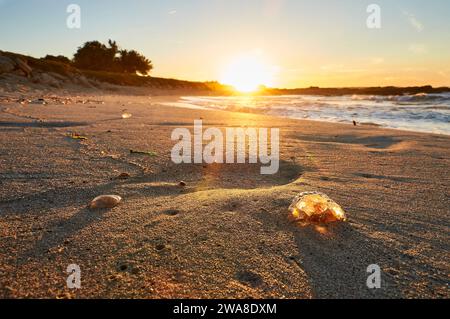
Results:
172 212
250 278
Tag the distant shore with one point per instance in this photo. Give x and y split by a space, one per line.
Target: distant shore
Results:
31 71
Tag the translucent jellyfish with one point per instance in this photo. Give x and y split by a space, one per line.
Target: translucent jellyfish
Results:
126 115
315 207
105 201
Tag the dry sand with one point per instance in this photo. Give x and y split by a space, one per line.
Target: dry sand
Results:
226 234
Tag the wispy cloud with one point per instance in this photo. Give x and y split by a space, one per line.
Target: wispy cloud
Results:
413 21
172 12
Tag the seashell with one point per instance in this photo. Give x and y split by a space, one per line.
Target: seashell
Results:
105 201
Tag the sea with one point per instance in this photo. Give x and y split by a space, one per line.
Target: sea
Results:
422 112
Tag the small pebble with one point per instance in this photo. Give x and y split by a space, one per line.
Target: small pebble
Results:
105 201
123 176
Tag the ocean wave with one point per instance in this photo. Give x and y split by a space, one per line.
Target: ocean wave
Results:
419 112
419 97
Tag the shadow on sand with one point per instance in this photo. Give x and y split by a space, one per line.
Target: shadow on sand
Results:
335 258
42 124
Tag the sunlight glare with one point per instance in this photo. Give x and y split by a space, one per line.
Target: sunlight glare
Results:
246 73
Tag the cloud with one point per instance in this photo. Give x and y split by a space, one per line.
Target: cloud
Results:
417 48
413 21
172 12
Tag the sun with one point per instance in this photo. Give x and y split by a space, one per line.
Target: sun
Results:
247 73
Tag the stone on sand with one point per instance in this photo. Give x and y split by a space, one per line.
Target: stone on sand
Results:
105 201
123 176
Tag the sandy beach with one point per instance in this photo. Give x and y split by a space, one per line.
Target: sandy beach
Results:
226 233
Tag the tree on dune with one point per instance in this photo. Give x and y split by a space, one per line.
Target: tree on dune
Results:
96 56
132 62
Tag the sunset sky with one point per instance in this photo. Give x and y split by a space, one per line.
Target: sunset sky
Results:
299 43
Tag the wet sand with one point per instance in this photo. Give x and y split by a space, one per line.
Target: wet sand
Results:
226 233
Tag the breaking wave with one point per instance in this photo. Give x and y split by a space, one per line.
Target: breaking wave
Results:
419 112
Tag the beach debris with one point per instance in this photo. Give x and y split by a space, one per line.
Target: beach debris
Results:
40 101
23 101
76 136
126 114
182 183
315 207
105 201
123 176
149 153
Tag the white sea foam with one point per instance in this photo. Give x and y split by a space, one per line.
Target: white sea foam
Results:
419 112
